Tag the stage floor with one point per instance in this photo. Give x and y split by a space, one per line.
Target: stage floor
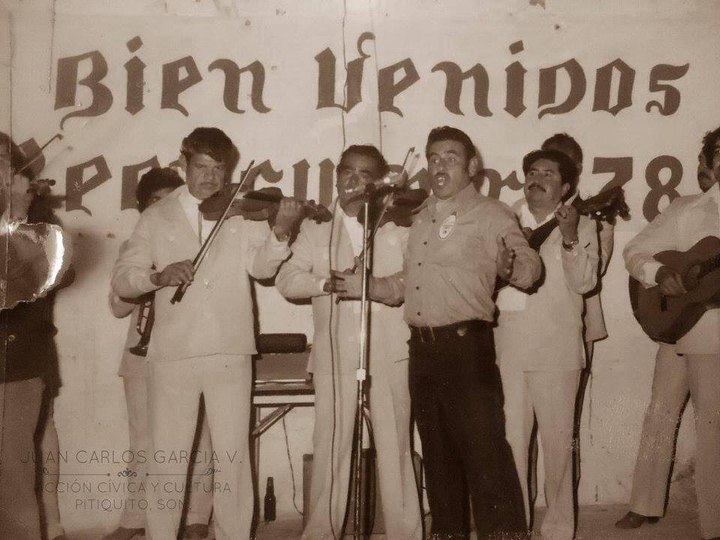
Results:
596 523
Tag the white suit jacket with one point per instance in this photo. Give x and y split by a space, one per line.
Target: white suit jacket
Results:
303 275
686 221
216 314
549 327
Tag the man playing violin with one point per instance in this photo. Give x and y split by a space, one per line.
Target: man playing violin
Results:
28 358
459 243
202 345
540 374
319 251
154 185
691 365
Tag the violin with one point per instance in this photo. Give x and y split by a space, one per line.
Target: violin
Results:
36 259
399 208
257 205
398 202
605 206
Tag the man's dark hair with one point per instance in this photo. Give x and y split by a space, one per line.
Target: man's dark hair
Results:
566 166
18 161
154 180
708 148
447 133
210 141
367 150
566 142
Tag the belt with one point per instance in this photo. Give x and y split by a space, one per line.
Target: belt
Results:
431 334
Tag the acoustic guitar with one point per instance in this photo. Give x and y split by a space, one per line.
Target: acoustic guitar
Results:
668 318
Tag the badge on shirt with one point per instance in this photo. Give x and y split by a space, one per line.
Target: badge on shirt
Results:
447 226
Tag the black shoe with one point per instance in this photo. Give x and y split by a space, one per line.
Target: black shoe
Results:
631 520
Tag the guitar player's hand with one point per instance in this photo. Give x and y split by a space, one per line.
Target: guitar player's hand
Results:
670 282
568 218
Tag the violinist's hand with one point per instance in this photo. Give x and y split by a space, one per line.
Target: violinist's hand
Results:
330 285
348 284
289 213
174 274
505 261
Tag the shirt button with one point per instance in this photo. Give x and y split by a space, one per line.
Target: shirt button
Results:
425 243
433 221
419 264
417 288
12 337
418 313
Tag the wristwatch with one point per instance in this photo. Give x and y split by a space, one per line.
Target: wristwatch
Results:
568 246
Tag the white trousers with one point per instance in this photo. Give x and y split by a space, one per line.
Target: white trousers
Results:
390 417
173 402
548 396
200 500
674 377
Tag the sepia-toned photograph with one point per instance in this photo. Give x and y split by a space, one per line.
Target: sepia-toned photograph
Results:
368 269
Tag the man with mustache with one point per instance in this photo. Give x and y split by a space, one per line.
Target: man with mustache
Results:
540 359
460 243
691 366
321 249
204 344
594 328
154 185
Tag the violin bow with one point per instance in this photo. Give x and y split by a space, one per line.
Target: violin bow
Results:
391 196
180 291
57 136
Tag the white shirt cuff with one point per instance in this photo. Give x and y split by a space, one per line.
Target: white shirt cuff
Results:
650 270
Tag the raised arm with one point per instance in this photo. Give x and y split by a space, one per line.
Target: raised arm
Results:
298 278
581 262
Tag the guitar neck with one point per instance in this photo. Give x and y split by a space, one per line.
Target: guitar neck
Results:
711 264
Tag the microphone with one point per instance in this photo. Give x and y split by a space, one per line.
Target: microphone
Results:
389 181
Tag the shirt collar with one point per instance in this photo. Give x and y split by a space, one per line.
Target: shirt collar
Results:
712 194
186 197
461 198
527 219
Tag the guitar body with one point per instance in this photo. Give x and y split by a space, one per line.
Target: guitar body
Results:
668 318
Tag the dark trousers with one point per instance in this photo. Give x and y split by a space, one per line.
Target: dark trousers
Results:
457 403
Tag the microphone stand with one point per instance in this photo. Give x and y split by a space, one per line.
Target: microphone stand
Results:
371 192
361 373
